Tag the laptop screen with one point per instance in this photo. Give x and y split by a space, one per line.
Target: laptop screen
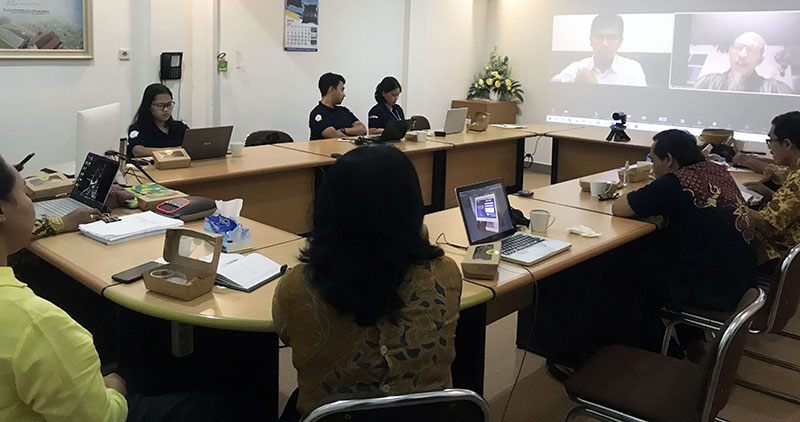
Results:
94 180
485 210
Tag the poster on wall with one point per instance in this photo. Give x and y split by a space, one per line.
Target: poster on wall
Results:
45 29
301 25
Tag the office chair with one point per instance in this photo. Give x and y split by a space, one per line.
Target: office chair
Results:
782 299
267 137
447 405
420 123
625 384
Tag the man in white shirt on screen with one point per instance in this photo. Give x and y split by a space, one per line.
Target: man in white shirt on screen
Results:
605 66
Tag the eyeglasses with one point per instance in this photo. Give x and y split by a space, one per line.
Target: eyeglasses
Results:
752 50
164 106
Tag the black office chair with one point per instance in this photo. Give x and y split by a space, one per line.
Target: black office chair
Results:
455 405
625 384
267 137
420 123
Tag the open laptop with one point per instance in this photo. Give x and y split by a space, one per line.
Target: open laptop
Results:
395 130
92 185
455 120
207 142
487 218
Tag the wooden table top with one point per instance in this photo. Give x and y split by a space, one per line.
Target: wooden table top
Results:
569 193
256 160
614 231
93 263
547 129
491 134
326 147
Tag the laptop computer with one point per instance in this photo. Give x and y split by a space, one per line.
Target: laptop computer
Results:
92 185
207 142
487 218
455 120
395 130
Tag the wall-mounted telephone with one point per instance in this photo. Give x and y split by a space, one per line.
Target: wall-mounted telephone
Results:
171 64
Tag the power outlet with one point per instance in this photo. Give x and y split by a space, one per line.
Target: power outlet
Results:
182 339
124 54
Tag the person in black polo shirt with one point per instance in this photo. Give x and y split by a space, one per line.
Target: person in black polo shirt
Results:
153 127
328 119
387 109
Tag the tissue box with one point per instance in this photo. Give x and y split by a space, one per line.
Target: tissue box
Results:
481 261
638 172
199 274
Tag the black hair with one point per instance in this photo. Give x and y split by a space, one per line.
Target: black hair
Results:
680 144
388 84
787 126
7 180
607 20
329 80
143 114
367 233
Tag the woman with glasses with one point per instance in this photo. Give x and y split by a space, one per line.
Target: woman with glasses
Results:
153 127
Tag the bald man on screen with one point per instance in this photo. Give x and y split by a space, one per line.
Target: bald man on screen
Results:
746 53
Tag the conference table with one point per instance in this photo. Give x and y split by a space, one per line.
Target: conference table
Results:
92 264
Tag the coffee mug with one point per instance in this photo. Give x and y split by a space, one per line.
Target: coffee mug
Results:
237 149
421 136
600 188
541 220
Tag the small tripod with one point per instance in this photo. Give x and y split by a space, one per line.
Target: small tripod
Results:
618 134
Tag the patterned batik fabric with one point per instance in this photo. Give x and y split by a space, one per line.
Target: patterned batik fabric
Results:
783 214
44 227
408 351
712 186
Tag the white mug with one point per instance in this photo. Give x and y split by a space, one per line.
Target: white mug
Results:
237 149
421 136
541 220
600 187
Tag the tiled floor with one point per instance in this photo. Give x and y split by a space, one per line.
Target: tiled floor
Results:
539 397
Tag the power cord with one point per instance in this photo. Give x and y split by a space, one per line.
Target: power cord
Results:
527 160
527 345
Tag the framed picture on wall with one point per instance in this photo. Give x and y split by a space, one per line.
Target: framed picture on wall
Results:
45 29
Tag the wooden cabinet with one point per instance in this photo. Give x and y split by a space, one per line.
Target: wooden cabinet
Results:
500 111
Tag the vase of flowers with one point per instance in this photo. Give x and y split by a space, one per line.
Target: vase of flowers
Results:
495 81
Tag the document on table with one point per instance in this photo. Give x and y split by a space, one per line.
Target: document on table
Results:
129 227
508 126
247 273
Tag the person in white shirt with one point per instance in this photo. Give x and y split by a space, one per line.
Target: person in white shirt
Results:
605 66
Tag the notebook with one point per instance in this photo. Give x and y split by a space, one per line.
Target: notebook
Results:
247 272
129 227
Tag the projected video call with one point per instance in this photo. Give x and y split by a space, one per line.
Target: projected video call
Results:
690 63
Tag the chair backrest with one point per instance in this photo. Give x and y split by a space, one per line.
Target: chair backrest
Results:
420 123
447 405
728 353
783 296
267 137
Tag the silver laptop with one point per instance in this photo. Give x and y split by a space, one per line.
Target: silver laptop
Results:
207 142
487 218
92 185
455 120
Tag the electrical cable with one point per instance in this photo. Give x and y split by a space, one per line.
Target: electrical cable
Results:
442 235
527 344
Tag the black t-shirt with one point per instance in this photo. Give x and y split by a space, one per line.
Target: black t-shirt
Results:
323 117
148 135
380 115
700 254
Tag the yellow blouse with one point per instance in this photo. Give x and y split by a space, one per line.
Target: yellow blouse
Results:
49 368
409 351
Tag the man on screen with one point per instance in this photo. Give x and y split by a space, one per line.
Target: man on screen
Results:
605 66
746 53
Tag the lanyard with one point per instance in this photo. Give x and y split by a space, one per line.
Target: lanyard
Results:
395 115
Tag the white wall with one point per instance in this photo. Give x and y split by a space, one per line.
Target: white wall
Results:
39 98
272 89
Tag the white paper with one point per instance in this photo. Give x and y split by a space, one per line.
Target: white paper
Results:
230 209
508 126
246 271
129 227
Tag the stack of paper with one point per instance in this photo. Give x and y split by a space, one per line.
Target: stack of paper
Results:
129 227
246 273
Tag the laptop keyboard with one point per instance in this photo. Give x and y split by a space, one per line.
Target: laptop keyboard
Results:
518 242
59 207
